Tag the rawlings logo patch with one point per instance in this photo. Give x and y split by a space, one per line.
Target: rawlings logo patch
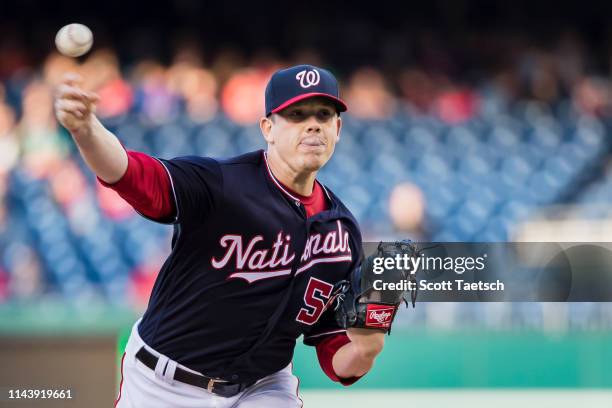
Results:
379 316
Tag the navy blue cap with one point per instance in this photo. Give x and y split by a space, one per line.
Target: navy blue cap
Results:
288 86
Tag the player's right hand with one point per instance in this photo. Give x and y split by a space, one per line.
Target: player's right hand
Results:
74 107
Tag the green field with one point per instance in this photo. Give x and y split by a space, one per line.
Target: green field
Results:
478 360
443 398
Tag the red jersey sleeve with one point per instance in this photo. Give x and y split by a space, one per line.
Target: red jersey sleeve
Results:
146 186
326 349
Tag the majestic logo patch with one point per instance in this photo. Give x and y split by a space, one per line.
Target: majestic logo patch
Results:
379 316
308 78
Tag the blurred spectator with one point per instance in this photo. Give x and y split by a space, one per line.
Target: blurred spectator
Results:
368 95
505 86
102 74
226 63
418 90
198 87
9 145
539 75
43 146
155 102
593 96
55 66
68 184
407 211
188 52
456 105
242 95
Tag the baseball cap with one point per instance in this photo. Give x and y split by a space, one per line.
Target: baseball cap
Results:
291 85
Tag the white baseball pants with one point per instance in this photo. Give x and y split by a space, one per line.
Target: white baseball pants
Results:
143 387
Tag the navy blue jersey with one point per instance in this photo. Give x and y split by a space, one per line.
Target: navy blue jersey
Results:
248 273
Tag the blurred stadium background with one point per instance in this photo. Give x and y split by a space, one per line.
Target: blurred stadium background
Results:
468 121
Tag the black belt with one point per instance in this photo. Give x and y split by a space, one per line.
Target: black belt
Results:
214 385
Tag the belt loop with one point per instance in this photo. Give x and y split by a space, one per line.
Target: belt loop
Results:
160 367
170 370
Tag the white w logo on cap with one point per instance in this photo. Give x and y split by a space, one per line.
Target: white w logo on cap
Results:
308 78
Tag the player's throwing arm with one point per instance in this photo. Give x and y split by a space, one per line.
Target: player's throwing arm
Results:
75 110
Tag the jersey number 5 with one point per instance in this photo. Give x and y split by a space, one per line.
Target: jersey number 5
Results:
316 298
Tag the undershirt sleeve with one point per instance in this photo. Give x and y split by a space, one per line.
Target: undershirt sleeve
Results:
326 349
146 187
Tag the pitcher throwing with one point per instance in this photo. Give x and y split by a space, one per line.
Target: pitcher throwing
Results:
258 249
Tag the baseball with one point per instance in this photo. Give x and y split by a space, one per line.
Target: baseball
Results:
74 40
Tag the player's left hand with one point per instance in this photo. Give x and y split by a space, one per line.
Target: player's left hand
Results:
360 305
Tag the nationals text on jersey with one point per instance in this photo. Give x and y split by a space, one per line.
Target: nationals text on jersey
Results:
261 263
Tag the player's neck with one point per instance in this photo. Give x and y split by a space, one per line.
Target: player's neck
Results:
300 182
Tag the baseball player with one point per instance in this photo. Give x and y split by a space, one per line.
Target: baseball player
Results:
259 246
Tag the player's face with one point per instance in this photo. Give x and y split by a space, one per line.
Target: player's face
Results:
305 133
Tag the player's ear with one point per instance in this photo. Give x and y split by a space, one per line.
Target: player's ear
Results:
338 127
265 124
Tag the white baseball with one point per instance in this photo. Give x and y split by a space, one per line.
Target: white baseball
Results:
74 40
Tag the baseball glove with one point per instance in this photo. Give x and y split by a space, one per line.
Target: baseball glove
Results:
359 304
